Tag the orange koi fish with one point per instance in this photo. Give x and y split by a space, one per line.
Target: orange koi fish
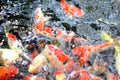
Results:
6 73
70 9
84 51
33 78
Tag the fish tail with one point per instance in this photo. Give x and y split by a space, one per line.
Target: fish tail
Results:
99 47
106 37
114 41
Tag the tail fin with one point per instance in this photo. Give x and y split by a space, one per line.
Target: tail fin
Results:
106 37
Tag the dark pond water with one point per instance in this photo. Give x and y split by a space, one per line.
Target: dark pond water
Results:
100 15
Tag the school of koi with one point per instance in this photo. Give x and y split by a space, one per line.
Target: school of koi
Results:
43 57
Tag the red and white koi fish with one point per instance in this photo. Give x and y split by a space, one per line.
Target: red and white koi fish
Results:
85 51
70 9
56 56
16 46
52 33
14 43
6 73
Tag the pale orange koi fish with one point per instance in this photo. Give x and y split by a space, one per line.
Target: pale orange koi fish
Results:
70 9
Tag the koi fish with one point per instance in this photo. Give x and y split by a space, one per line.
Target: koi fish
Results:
16 46
56 56
40 19
33 78
8 57
116 45
53 33
39 16
14 43
85 51
38 62
6 73
71 9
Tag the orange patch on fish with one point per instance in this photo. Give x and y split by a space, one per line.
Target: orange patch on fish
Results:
6 73
62 57
11 37
70 9
39 25
84 51
84 75
34 54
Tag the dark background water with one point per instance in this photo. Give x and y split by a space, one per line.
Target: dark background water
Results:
100 15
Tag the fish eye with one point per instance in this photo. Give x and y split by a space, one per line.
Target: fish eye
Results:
63 28
55 31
